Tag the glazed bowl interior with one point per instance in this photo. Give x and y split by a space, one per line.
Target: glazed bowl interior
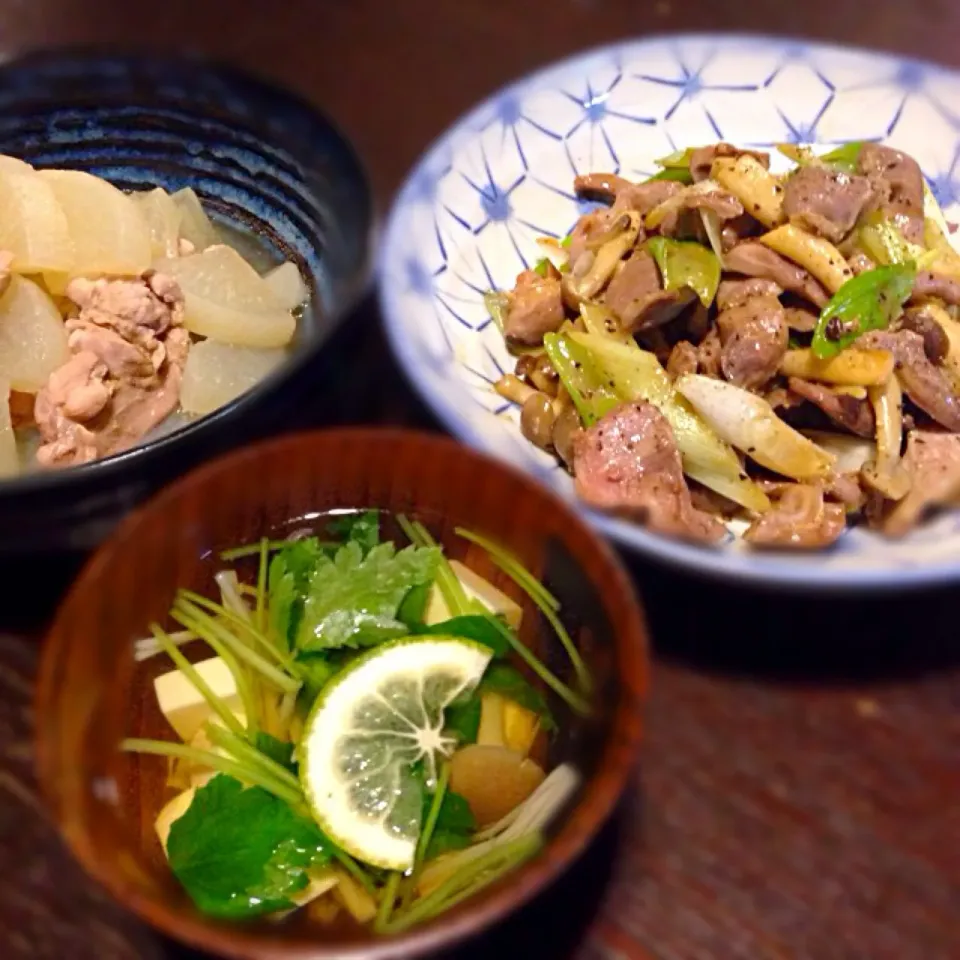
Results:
274 174
92 693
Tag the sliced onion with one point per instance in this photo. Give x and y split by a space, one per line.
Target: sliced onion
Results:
711 225
551 250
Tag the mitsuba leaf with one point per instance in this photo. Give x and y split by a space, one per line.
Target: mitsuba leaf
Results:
353 600
361 528
462 719
290 571
478 627
513 685
455 825
280 751
240 852
413 606
313 671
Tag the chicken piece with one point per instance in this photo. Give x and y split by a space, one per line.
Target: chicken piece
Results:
936 285
709 353
852 414
74 394
845 488
628 463
921 320
738 229
636 296
800 320
732 293
683 359
720 202
140 311
753 338
701 160
643 197
128 350
799 519
898 183
585 231
933 461
755 260
824 201
536 308
925 384
623 194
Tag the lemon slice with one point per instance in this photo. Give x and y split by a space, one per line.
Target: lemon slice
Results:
380 715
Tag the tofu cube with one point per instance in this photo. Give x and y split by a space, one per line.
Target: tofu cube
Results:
183 705
476 588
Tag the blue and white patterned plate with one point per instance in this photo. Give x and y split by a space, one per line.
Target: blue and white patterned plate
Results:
467 218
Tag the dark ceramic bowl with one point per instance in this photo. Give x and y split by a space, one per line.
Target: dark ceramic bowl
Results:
262 161
92 693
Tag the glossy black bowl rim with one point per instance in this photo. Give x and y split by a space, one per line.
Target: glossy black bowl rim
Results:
112 468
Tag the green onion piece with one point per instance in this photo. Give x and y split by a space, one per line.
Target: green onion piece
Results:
234 618
679 174
262 586
678 160
844 157
190 616
387 900
685 264
469 880
244 752
591 393
885 244
566 241
207 758
870 301
497 303
190 672
541 266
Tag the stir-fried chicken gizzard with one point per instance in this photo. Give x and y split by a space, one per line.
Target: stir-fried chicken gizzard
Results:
721 342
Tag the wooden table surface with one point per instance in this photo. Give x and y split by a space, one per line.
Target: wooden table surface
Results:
799 794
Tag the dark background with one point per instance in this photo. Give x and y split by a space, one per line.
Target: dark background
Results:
799 795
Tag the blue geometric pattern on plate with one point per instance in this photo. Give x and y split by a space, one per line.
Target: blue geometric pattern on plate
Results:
467 218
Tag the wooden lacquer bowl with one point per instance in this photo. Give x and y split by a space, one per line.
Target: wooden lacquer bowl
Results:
92 693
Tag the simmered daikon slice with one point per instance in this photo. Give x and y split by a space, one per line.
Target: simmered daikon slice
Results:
14 165
227 300
33 225
285 281
216 373
195 225
163 218
9 458
109 232
55 282
33 340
